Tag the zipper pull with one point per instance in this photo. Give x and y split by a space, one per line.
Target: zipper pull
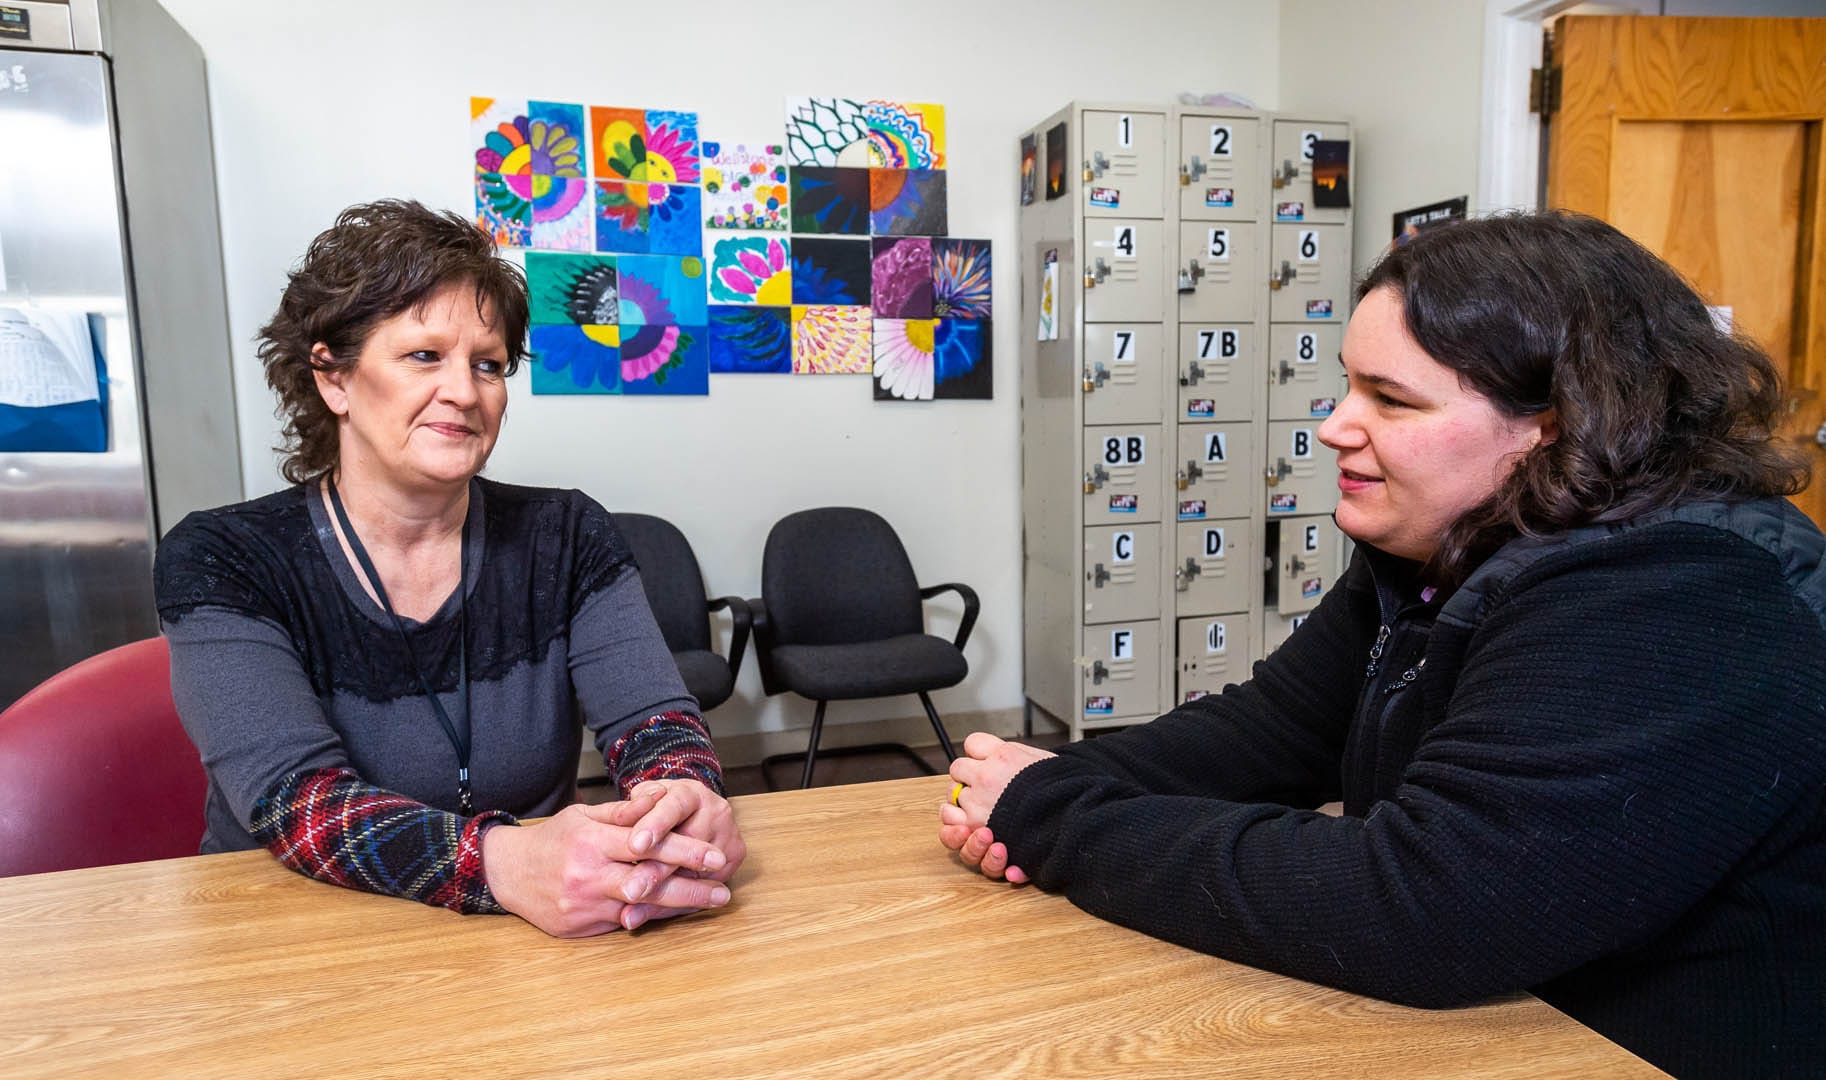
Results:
1375 651
1407 678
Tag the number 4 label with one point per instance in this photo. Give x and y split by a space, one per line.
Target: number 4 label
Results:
1126 247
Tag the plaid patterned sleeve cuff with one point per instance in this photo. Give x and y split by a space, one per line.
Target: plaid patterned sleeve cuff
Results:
331 825
670 745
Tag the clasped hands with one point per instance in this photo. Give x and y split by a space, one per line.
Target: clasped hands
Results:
985 768
666 850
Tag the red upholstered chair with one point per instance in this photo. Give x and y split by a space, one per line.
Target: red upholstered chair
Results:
96 770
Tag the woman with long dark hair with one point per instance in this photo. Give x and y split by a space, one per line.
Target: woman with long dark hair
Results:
1571 691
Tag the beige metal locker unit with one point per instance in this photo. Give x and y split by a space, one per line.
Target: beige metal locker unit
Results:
1217 366
1215 566
1278 628
1306 563
1309 273
1121 573
1302 472
1291 169
1213 472
1124 365
1221 177
1305 380
1120 676
1214 651
1216 274
1097 442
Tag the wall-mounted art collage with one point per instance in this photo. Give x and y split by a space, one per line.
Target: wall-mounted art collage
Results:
656 260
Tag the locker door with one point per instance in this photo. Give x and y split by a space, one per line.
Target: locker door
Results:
1122 474
1302 472
1213 360
1309 547
1213 653
1123 366
1215 566
1279 628
1291 166
1218 264
1121 673
1124 171
1308 275
1121 572
1212 472
1219 168
1122 271
1305 381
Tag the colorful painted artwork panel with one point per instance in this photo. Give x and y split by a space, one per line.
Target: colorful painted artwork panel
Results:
671 360
573 359
907 202
621 216
905 135
830 201
752 270
558 229
503 215
556 135
751 340
672 150
746 187
832 340
675 222
826 131
574 289
498 131
961 279
827 270
962 361
660 290
618 143
901 277
904 365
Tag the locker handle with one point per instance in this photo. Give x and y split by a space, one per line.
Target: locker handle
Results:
1194 271
1285 373
1183 575
1098 672
1096 273
1286 174
1190 473
1094 379
1095 166
1191 171
1192 375
1295 565
1099 576
1279 471
1095 479
1281 277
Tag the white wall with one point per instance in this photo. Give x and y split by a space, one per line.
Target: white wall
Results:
319 105
1409 74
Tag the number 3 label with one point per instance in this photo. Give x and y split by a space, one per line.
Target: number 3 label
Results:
1307 138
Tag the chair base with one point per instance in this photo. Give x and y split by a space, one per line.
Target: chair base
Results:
811 746
767 764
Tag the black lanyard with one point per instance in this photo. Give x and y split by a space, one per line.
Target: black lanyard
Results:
459 736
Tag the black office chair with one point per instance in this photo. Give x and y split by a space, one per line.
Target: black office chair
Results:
675 590
840 618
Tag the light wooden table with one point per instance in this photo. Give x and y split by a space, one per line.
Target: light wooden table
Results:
855 946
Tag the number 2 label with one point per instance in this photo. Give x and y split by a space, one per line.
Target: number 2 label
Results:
1220 140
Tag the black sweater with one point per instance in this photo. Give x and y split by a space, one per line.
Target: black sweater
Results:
1602 779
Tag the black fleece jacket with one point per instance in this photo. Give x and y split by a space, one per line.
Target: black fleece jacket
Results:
1597 772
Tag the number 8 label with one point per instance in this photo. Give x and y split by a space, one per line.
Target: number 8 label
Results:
1308 348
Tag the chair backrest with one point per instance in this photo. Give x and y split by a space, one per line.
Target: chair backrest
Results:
837 575
95 768
673 580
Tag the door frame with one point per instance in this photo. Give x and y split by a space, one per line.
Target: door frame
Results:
1509 150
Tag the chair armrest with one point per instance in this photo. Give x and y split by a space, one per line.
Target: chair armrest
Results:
743 620
763 634
971 607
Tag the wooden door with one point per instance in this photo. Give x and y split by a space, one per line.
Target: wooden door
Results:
1701 138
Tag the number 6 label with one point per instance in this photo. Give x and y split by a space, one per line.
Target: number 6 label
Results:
1309 245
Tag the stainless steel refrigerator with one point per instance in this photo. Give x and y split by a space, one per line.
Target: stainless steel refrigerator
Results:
108 207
